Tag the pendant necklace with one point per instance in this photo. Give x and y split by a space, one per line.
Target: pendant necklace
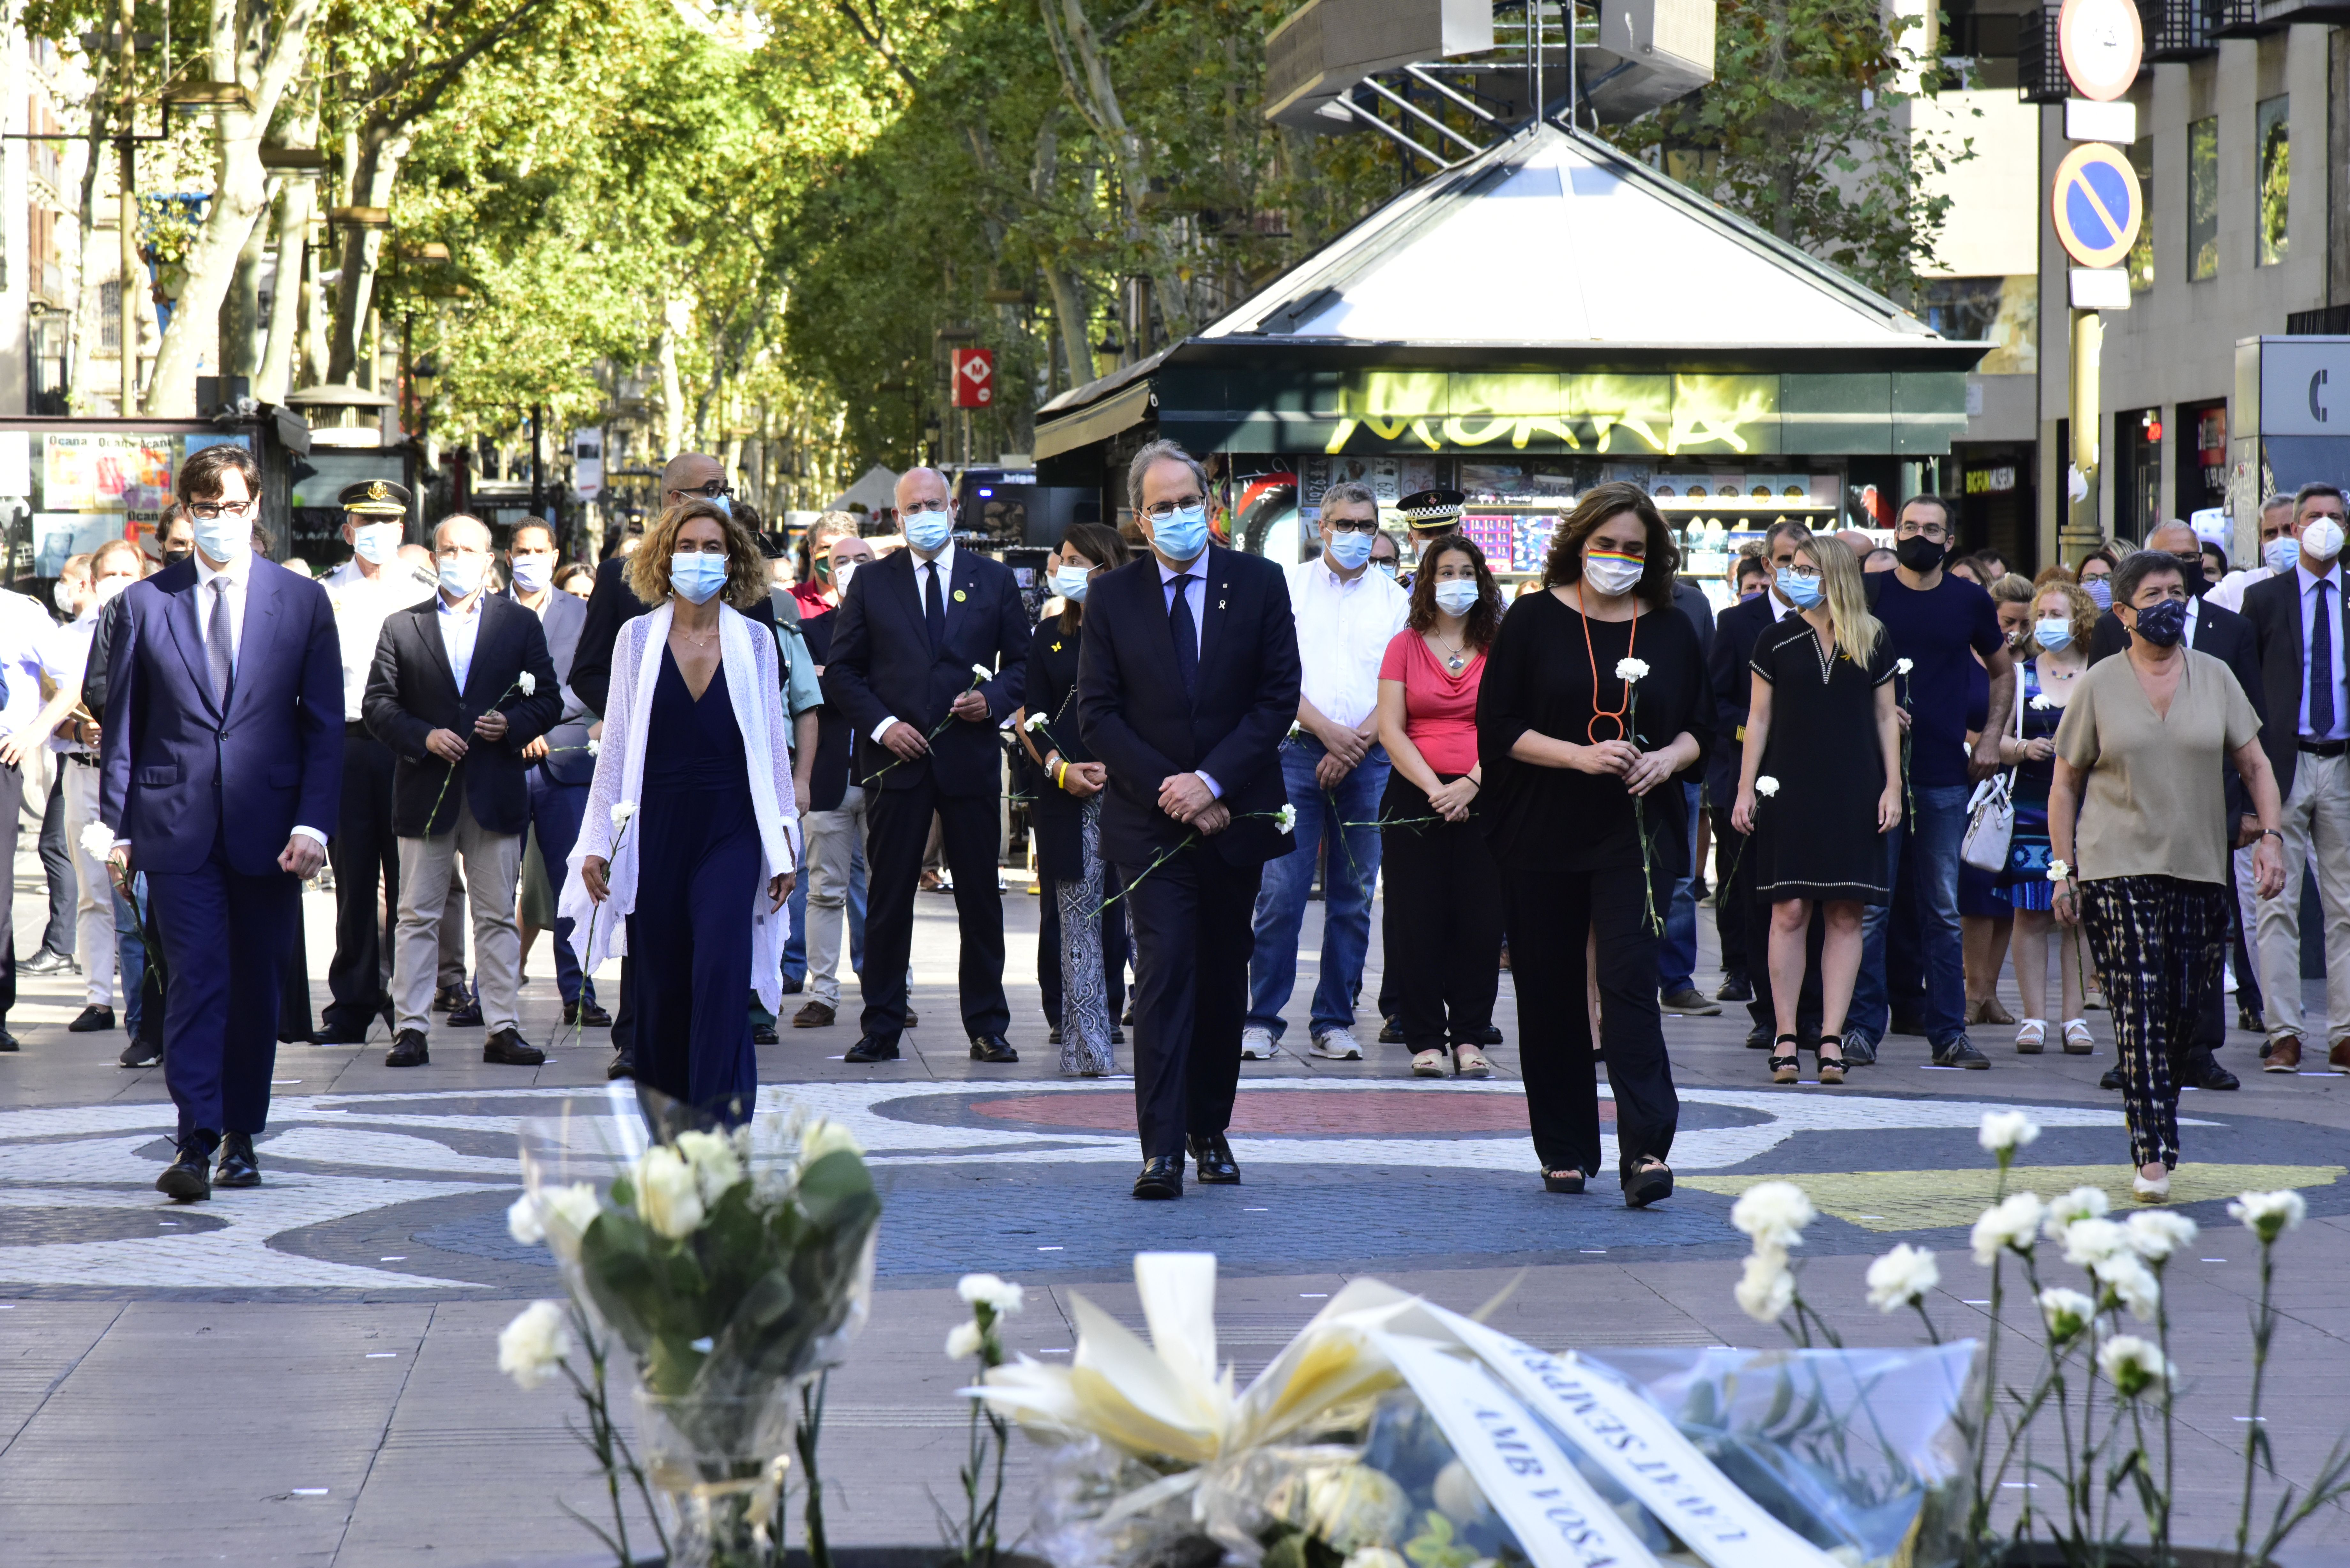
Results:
1455 659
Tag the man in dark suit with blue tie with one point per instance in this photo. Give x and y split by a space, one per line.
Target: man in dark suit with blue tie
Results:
1187 682
223 754
930 652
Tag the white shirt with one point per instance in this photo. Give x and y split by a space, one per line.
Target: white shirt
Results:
942 563
238 576
460 629
1343 632
362 604
24 628
2308 584
65 655
2229 594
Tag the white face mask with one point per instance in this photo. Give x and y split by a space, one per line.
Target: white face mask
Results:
1457 596
531 572
2322 539
460 575
377 543
1612 577
841 572
106 587
63 596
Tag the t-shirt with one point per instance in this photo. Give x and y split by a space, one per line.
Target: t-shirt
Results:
1439 708
2156 797
1938 630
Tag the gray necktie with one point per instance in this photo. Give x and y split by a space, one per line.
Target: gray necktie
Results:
216 645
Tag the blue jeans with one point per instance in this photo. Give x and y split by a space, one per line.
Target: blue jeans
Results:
795 945
131 955
556 812
1349 870
1677 955
1932 836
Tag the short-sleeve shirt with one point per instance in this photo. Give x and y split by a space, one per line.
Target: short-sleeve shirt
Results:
1939 630
2155 800
1439 708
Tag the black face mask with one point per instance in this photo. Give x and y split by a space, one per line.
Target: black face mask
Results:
2163 624
173 557
1918 553
2190 573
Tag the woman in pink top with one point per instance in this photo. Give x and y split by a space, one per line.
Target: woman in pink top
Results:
1443 907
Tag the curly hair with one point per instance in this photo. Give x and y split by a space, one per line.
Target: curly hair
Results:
2079 608
1484 617
746 563
1599 503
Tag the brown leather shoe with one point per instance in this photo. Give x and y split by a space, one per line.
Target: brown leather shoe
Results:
2339 1057
814 1015
2284 1055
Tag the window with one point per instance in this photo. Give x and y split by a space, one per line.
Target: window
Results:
2271 133
2139 263
110 316
2203 200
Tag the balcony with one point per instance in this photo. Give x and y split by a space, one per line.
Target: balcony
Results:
2039 63
2235 19
2179 29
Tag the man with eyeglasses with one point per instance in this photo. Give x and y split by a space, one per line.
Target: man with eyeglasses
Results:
1939 624
222 757
1335 772
929 654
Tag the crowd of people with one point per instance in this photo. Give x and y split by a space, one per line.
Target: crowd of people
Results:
1904 769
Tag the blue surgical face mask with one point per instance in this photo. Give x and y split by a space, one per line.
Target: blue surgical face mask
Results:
1457 596
2280 553
531 573
2100 589
1181 535
377 543
1349 548
1070 582
695 574
2052 635
1386 569
928 530
1801 592
460 575
225 538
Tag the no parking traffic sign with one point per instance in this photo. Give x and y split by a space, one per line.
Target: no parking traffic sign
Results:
2096 205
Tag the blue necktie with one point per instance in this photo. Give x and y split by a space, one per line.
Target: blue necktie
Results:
934 608
1187 634
2321 665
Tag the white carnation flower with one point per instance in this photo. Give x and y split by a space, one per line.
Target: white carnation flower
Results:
564 1213
97 840
2268 1215
822 1137
2131 1282
2058 870
1766 1289
527 683
621 811
669 1194
1904 666
2067 1313
1766 786
2132 1365
716 1166
2156 1233
1035 721
1902 1277
981 673
2006 1131
963 1341
522 1223
987 1290
2088 1243
2013 1222
1630 670
1774 1213
1286 819
2042 701
2081 1203
530 1347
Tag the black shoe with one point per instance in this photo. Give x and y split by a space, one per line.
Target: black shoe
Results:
189 1179
1118 1036
297 1037
1053 1035
794 985
623 1064
2249 1019
48 962
1390 1034
765 1034
1128 1019
449 996
1161 1177
2112 1080
992 1048
7 1043
1651 1184
91 1020
1689 1003
1961 1053
1489 1035
910 1019
341 1034
869 1049
1735 987
1213 1158
143 1053
508 1046
408 1050
467 1015
1858 1053
2204 1072
238 1168
1908 1024
586 1015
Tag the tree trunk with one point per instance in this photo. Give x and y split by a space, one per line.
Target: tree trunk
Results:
381 154
673 391
276 376
1069 310
240 312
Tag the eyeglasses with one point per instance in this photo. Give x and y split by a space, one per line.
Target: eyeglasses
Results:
1159 511
1808 574
710 491
206 511
1353 526
1939 532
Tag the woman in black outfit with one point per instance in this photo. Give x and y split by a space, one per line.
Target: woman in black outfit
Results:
1091 946
1575 749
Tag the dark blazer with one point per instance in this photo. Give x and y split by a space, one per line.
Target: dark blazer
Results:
412 692
2231 639
1691 600
1058 816
2273 610
1735 632
567 761
612 605
828 781
180 774
1132 714
881 666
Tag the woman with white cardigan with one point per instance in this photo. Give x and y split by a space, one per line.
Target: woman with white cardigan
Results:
691 824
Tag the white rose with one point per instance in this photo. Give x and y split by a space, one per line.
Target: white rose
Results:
2013 1222
1376 1557
2081 1203
2268 1215
668 1195
2067 1313
2132 1365
527 683
1766 1288
621 811
1766 786
564 1213
823 1136
1774 1212
716 1166
963 1341
1630 670
1902 1276
2003 1132
97 840
530 1347
1458 1495
987 1290
2156 1233
1354 1506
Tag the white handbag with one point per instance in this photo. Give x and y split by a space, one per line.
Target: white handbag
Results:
1991 812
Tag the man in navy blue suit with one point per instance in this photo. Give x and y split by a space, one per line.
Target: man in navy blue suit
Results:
930 652
1187 680
223 752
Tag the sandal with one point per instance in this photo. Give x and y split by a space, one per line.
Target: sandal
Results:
1785 1069
1567 1181
1652 1182
1831 1067
2078 1041
2032 1037
1428 1063
1467 1062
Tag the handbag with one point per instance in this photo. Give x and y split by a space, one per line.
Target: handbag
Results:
1991 812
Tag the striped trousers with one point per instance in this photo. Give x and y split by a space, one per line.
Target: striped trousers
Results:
2158 942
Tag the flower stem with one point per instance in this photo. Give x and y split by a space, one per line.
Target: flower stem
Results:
2256 1440
811 1430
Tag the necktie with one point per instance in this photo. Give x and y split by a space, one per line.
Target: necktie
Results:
2321 665
935 607
216 645
1187 634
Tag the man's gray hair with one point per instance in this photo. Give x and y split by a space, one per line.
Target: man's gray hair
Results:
466 518
1348 491
2277 499
1802 535
1154 452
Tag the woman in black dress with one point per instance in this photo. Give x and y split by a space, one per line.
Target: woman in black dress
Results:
1593 697
1820 788
1087 942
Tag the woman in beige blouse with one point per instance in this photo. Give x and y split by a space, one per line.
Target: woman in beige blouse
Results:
2136 818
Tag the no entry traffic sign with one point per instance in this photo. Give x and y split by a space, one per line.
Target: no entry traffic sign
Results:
2096 205
2102 44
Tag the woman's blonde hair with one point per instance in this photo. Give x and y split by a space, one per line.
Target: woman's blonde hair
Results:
746 563
1857 630
2079 608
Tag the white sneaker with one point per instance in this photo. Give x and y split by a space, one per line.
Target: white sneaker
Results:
1256 1043
1338 1046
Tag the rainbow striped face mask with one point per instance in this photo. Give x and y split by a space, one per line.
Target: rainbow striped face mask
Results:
1611 572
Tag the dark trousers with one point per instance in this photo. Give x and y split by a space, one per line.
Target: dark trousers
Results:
1549 912
365 857
1732 893
2159 943
1904 948
555 812
225 938
293 982
972 841
1193 929
698 870
12 784
1116 946
57 866
1442 922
